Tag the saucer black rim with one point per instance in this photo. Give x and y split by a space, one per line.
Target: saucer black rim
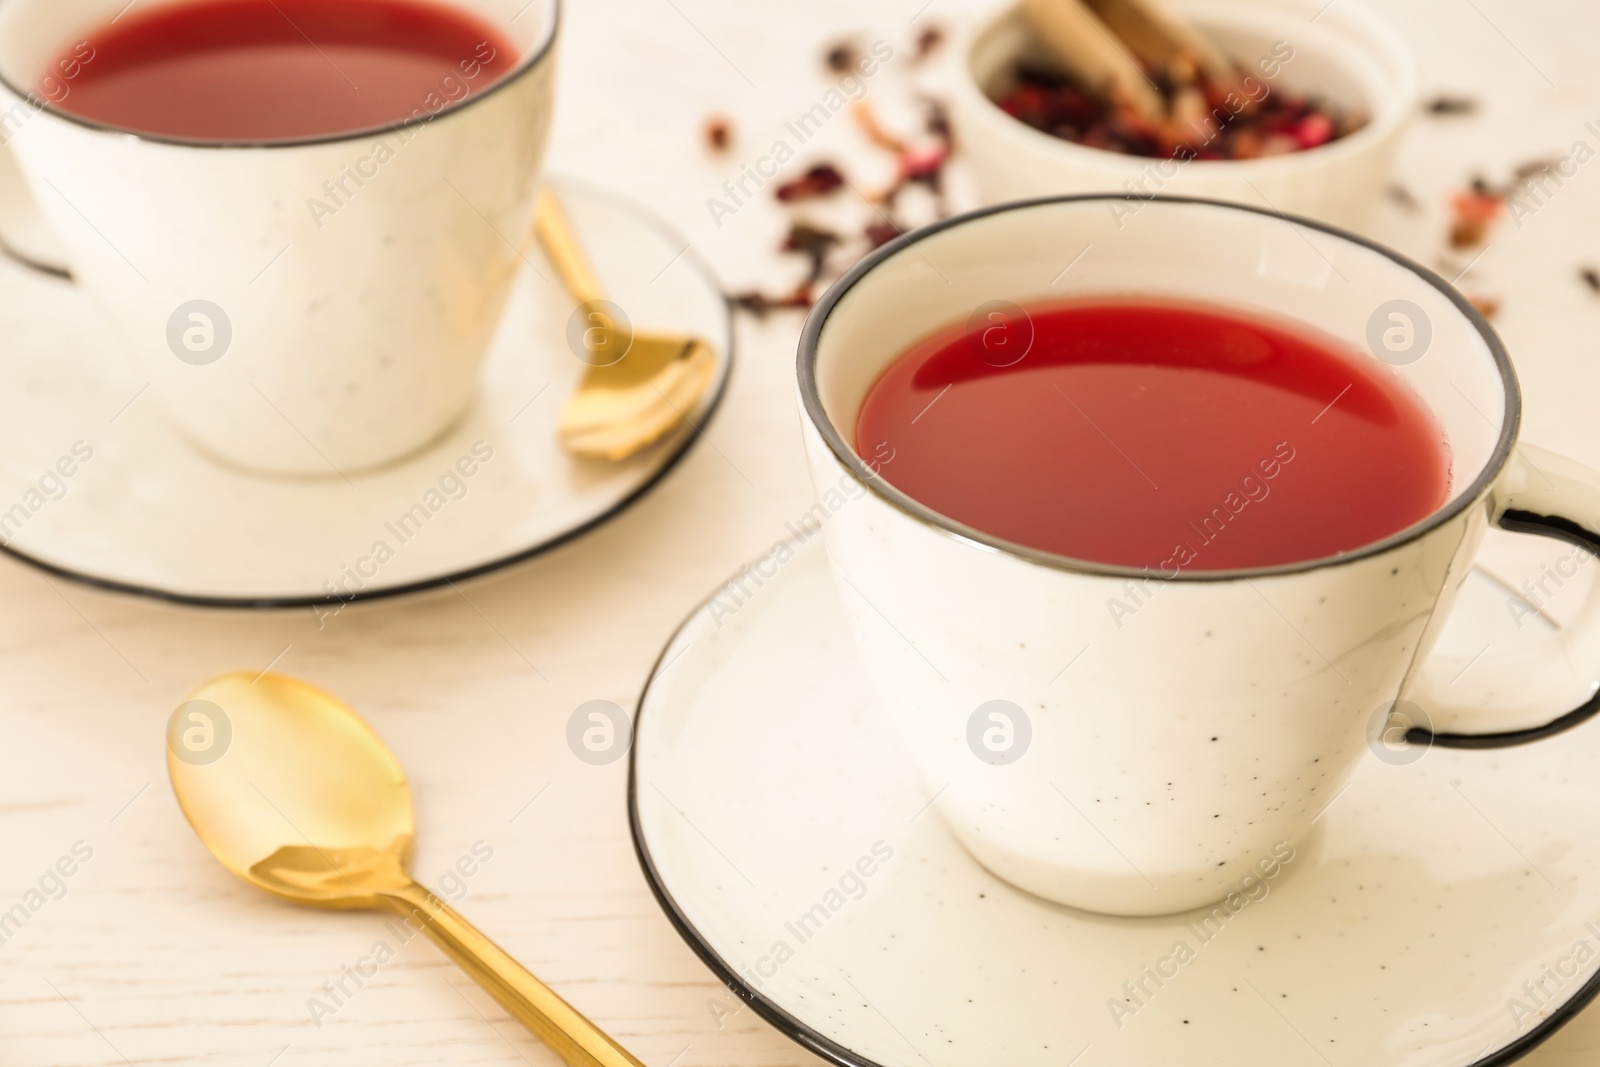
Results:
826 1047
811 400
278 603
535 59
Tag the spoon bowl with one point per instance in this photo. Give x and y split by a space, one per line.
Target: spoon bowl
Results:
306 801
291 791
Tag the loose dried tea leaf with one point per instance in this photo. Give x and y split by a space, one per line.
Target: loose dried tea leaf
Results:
718 132
1445 104
928 41
1591 278
1403 197
1525 171
881 233
814 242
820 180
843 57
760 304
938 121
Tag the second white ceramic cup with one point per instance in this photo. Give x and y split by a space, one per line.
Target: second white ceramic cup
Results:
313 307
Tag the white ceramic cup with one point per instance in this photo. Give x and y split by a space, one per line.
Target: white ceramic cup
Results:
1342 52
1148 762
316 306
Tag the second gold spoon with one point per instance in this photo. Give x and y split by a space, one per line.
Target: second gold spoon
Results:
296 795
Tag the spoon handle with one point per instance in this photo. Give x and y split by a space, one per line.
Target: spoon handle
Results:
561 246
535 1005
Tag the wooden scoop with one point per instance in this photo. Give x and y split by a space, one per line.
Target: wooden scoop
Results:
1102 42
1158 35
1077 37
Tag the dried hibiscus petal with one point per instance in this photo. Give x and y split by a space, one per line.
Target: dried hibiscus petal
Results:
1200 120
1445 104
718 133
881 233
923 163
759 303
1472 213
811 241
819 180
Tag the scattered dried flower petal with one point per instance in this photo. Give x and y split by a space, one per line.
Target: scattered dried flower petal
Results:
1524 171
1488 306
759 303
843 57
881 233
1472 212
814 242
923 163
819 180
718 133
1402 196
1445 104
938 121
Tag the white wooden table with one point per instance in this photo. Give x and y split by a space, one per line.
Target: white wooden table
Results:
155 954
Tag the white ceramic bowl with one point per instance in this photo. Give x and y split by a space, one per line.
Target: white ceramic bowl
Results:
1348 55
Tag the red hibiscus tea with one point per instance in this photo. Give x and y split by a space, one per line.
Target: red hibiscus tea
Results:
1173 436
263 70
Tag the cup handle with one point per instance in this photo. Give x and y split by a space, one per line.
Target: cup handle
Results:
24 235
1552 496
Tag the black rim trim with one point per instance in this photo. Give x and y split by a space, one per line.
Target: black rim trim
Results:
824 1047
812 401
1562 529
422 585
36 265
829 1049
532 60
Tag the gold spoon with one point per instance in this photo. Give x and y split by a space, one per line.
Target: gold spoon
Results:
639 386
295 794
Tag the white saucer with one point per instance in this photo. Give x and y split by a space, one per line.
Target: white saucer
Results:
150 514
1396 937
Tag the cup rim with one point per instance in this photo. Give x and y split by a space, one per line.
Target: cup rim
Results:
1378 128
811 403
530 62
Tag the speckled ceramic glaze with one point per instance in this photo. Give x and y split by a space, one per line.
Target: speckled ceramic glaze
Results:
96 484
296 305
1442 913
1168 727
